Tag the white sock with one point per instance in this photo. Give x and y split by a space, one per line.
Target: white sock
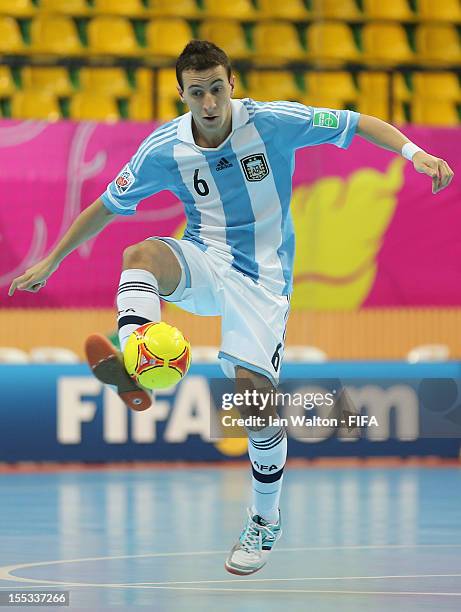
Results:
137 302
267 450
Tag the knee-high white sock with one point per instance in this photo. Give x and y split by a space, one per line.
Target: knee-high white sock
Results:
137 302
267 450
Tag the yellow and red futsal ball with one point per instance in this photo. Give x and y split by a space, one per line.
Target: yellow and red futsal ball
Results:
157 355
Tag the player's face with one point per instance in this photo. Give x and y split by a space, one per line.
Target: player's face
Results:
207 93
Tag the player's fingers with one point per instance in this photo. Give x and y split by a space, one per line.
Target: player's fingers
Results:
12 288
18 283
435 182
430 169
447 174
36 287
437 175
25 282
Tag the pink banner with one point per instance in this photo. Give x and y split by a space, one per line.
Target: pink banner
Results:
369 231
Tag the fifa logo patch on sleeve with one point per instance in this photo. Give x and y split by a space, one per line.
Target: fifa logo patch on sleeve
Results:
326 119
255 167
124 180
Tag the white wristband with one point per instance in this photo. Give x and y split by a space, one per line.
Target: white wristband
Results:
409 149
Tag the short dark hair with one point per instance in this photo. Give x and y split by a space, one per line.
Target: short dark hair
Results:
200 55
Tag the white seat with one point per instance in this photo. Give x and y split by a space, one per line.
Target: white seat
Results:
205 354
311 354
53 354
429 352
9 354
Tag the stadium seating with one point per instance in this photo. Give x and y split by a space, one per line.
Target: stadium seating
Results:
6 82
10 37
240 87
111 81
436 112
34 104
386 44
378 106
140 107
291 10
55 34
124 8
428 352
438 45
346 10
400 89
227 34
310 354
444 85
93 106
337 33
112 36
331 43
322 101
53 354
166 38
446 10
397 10
54 79
10 354
17 8
166 81
272 85
236 9
330 84
277 43
77 8
187 9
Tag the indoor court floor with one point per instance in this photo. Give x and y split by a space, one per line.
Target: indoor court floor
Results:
355 539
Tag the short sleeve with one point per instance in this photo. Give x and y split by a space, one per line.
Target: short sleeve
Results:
304 126
140 178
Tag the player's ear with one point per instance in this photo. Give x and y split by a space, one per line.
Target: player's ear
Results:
180 92
232 83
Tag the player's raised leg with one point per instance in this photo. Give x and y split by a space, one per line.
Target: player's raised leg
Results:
149 268
267 449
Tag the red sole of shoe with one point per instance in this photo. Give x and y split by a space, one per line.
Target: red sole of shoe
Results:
105 362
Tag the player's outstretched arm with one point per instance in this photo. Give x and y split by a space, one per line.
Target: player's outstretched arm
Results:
89 223
389 137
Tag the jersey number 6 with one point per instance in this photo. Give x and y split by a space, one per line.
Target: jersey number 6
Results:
200 185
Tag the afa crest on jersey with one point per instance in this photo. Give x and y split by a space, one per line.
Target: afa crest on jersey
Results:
255 167
124 180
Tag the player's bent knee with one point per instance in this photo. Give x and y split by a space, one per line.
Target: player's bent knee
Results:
259 393
156 257
146 255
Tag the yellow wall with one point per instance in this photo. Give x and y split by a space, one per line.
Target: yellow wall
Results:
363 334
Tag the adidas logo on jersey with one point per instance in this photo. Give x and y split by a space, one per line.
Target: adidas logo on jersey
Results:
223 163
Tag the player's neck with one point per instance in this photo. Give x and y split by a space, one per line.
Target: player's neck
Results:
213 140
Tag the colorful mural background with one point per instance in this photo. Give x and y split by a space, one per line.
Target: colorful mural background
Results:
369 231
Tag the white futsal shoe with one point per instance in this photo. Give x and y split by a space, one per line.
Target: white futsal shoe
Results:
252 550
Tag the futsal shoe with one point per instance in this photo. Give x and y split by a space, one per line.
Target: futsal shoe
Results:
107 365
252 550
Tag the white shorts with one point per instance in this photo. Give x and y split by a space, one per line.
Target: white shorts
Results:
253 319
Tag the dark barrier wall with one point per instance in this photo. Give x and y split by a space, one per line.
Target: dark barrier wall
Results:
62 413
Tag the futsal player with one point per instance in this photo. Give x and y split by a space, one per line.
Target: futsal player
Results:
231 163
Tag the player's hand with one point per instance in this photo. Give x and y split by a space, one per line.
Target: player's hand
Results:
34 278
436 168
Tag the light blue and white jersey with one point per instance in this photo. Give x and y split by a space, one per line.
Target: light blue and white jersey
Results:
236 196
